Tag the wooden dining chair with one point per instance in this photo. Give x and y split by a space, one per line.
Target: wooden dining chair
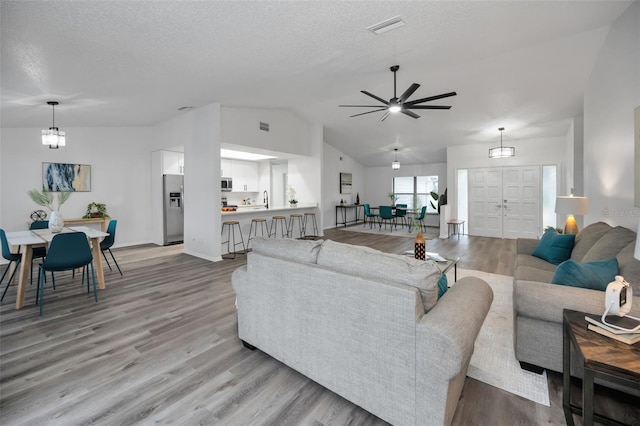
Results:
67 251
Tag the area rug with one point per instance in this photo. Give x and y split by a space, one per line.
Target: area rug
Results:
494 361
429 232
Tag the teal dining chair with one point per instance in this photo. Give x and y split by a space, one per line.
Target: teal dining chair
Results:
372 217
40 252
401 213
107 243
67 251
11 257
386 215
420 217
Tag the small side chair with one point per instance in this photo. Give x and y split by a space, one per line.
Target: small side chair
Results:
11 257
105 245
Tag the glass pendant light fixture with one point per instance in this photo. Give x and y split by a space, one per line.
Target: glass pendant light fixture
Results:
502 151
396 164
53 136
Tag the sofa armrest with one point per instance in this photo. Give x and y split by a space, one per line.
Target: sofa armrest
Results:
447 333
526 245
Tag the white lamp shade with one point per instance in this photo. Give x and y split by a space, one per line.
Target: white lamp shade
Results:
578 206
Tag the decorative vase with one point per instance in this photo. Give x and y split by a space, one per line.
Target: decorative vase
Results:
420 247
56 222
357 198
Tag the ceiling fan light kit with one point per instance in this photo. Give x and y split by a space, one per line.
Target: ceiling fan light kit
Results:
400 104
53 136
502 151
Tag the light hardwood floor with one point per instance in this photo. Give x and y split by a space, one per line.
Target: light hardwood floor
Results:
161 346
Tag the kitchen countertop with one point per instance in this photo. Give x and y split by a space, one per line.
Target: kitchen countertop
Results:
258 209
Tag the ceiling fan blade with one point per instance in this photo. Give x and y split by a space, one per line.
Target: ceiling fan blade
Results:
409 113
386 114
363 106
368 112
409 92
431 98
427 106
375 97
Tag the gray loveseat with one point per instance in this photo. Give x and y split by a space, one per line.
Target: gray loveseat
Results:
538 305
367 325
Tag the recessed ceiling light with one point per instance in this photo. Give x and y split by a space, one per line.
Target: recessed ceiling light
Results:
387 25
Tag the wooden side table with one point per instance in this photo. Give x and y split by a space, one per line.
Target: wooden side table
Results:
601 357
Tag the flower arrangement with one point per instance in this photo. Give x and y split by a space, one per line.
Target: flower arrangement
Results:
291 195
45 198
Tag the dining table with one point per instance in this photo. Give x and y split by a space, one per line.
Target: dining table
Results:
27 240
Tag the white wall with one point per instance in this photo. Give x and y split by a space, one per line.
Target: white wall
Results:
334 163
305 173
613 91
120 170
539 151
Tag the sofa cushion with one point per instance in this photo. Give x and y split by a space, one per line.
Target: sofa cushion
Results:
553 247
630 266
372 264
443 285
531 273
298 250
594 275
610 244
534 262
587 238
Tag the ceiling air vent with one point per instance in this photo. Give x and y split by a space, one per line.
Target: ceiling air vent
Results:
387 25
264 126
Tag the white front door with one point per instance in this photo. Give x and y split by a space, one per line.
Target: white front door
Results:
485 202
504 202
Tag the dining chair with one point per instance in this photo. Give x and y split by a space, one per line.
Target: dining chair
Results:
420 217
11 257
373 217
401 213
108 241
40 252
67 251
386 215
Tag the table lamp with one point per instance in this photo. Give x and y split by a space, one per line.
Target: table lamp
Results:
571 206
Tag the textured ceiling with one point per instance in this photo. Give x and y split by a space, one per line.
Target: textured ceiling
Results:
521 65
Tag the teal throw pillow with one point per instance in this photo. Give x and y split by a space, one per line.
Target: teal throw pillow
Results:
592 275
553 247
443 285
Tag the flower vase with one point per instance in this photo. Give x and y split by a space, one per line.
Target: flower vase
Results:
420 247
56 222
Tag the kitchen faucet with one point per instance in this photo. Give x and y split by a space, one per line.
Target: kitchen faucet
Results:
265 198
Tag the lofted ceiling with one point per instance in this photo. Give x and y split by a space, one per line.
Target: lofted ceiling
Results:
522 65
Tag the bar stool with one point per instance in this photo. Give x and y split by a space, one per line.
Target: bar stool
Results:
259 222
307 218
231 233
292 219
275 220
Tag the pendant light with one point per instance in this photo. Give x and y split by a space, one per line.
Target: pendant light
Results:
53 137
396 164
502 151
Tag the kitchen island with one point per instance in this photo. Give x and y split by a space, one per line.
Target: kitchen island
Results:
245 214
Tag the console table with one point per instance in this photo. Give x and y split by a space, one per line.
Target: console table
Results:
343 208
601 357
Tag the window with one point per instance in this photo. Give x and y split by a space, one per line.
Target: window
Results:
415 191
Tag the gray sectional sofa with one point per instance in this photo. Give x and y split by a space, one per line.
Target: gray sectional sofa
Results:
367 325
538 305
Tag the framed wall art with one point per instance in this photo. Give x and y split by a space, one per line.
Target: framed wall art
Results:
345 183
58 177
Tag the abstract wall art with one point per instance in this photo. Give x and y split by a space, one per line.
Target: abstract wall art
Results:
66 177
345 183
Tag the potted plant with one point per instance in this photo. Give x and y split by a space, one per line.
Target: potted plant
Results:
96 210
440 199
393 197
291 196
44 198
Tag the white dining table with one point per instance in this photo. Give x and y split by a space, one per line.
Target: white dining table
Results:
27 240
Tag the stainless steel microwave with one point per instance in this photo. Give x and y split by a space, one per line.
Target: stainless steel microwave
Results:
226 184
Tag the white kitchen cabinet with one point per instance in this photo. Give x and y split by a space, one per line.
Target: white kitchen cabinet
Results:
226 168
172 162
245 176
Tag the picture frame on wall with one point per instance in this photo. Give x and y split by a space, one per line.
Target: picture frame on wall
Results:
345 183
58 177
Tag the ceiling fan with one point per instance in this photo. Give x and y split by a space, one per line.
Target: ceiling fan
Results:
400 104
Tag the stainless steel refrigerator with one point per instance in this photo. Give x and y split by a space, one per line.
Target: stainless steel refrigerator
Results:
173 200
